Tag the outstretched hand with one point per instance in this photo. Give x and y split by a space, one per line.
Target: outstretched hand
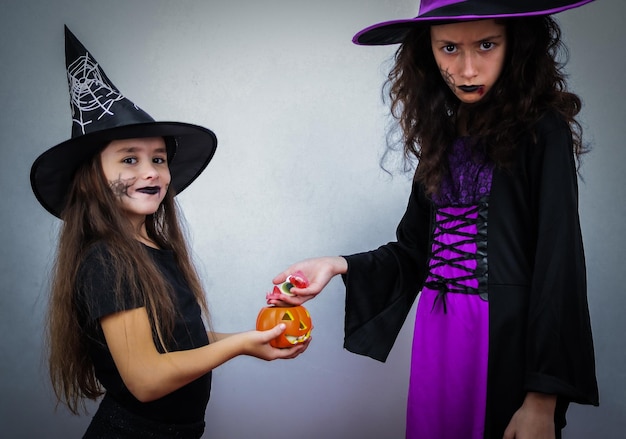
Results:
258 345
319 271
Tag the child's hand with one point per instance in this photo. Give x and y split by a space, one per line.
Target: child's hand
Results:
318 271
258 345
534 419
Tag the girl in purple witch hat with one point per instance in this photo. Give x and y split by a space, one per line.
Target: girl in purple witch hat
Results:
127 310
491 236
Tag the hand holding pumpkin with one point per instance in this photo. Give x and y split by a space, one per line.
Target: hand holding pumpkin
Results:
296 319
259 344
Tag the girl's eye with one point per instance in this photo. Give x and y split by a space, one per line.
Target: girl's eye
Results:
159 160
486 45
450 48
130 160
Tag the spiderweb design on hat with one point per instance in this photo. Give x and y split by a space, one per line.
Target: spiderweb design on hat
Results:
96 103
91 93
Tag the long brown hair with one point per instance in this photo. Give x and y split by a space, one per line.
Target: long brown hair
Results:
92 215
532 83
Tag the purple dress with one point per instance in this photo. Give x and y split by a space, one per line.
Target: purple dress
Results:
483 338
450 344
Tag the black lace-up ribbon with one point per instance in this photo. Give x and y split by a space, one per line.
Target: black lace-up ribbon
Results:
443 284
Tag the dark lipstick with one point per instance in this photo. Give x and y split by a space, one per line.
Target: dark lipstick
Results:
151 190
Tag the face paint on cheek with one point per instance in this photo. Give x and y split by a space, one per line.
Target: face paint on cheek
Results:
447 77
120 187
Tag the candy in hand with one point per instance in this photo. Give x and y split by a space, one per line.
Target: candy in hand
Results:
297 279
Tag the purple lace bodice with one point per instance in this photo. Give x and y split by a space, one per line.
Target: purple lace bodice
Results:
458 262
470 176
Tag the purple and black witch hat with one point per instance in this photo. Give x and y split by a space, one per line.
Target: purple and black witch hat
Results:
101 114
393 32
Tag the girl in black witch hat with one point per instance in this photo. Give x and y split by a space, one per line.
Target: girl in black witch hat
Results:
491 236
127 310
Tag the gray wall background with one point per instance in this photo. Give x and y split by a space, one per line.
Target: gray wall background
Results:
297 110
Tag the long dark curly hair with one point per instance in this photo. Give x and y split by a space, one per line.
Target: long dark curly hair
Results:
532 82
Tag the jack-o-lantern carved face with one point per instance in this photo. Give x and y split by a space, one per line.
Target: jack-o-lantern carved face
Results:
296 319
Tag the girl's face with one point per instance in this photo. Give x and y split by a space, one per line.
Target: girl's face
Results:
138 174
470 56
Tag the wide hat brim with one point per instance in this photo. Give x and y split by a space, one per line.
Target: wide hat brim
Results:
52 172
394 31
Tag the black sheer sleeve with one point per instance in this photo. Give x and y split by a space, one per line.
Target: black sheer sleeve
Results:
381 285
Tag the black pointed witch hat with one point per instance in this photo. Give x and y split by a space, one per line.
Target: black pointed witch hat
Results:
101 114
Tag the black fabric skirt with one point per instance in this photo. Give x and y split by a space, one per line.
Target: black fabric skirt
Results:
112 421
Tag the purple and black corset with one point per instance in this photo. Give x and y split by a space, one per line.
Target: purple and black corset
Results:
458 262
